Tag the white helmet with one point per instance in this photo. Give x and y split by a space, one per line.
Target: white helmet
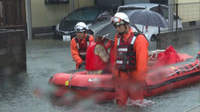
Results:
80 27
119 16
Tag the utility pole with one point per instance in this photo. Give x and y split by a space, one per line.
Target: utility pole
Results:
170 14
29 19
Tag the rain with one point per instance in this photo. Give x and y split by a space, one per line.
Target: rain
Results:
45 56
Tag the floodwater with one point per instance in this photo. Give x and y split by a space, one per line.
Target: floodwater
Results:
46 57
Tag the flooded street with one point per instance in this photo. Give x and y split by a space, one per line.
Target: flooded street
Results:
46 57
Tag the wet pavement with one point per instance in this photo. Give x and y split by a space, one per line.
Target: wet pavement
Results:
194 109
46 57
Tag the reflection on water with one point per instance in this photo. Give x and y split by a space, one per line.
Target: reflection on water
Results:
12 84
17 94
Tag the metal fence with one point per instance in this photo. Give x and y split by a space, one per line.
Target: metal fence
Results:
180 16
188 14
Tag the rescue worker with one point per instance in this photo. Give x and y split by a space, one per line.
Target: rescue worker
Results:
80 43
97 56
130 62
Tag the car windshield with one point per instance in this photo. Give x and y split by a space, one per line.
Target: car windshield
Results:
165 12
161 10
83 15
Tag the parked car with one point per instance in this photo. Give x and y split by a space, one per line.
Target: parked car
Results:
152 31
89 15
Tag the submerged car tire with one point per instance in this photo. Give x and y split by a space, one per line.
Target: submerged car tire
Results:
154 37
57 36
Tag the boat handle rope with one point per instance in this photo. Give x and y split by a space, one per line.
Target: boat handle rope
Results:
185 70
70 78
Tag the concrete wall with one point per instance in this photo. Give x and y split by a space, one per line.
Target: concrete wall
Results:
82 3
44 15
47 15
189 10
184 41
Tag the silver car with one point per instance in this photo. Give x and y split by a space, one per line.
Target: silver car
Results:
106 29
152 31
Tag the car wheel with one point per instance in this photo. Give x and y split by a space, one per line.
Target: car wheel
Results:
58 36
180 29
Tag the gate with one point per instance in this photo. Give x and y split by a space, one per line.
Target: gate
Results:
12 37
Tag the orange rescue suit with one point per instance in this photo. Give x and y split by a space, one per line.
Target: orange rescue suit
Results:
131 83
75 51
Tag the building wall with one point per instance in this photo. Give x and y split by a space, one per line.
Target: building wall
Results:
82 3
49 15
189 10
44 15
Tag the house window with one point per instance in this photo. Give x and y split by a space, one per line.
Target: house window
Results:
56 1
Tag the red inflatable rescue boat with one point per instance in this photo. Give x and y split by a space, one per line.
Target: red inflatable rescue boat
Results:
100 87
